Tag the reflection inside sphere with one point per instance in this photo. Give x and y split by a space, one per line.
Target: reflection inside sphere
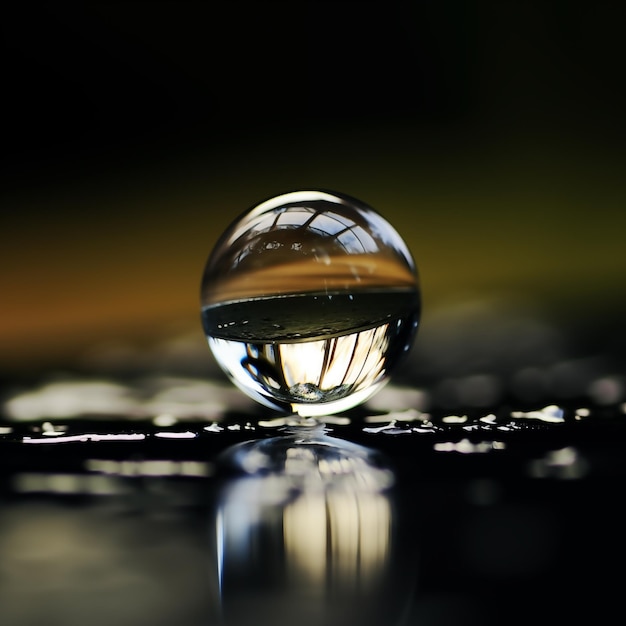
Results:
309 301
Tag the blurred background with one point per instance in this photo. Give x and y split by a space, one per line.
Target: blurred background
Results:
489 133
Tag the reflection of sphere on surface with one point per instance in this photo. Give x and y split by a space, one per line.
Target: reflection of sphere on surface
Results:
310 535
309 300
305 457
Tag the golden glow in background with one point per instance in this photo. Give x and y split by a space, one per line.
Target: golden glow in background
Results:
491 138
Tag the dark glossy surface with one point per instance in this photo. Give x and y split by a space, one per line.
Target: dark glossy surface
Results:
508 515
490 492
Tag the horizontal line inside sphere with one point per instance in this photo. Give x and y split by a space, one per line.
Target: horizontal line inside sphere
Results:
308 316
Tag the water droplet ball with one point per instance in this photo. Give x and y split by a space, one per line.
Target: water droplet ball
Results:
309 301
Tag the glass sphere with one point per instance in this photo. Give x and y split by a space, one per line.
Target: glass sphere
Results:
309 301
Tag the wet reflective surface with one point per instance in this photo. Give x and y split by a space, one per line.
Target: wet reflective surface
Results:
481 485
403 518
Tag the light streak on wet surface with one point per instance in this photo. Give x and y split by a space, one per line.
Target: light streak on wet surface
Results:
85 437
